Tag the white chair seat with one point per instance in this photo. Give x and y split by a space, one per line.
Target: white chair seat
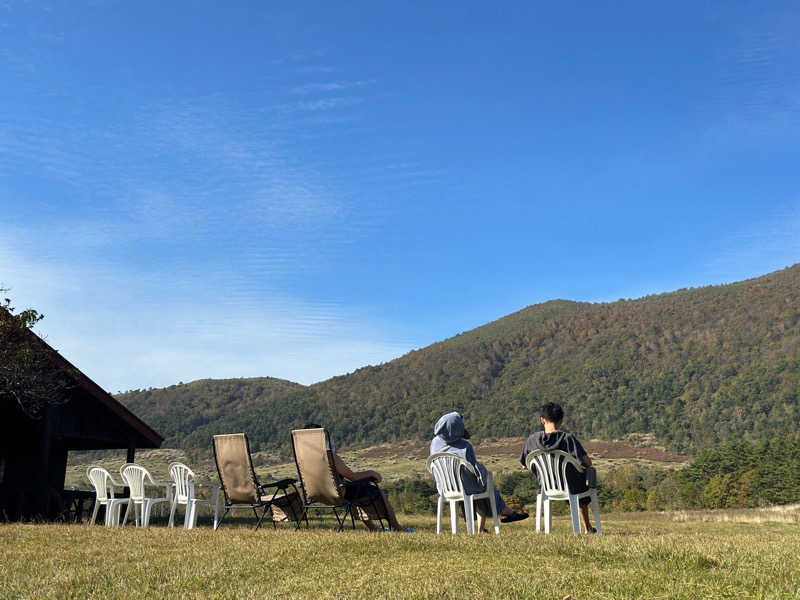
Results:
446 469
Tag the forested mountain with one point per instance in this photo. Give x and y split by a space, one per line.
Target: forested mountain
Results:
696 367
179 410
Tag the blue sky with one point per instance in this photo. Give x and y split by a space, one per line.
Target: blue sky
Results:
195 190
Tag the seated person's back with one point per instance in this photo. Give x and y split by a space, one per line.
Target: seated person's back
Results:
450 436
553 438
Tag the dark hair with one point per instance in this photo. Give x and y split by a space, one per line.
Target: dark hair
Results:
552 412
312 426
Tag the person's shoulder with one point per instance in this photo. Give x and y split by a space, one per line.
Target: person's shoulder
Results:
571 436
533 441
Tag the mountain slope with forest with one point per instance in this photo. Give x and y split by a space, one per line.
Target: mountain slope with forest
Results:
696 367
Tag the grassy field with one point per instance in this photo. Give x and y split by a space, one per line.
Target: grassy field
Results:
686 555
700 554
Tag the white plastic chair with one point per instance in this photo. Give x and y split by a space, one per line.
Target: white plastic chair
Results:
184 493
551 470
134 477
104 486
447 470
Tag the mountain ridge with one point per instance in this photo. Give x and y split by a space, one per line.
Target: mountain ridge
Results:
695 367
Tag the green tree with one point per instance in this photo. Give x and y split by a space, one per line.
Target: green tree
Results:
717 492
28 376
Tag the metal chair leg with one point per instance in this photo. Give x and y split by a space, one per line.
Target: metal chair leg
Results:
219 523
338 520
263 514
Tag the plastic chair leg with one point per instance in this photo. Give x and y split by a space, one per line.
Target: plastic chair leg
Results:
469 511
493 504
172 513
94 512
439 511
574 512
548 518
146 507
127 511
112 513
538 513
596 511
453 517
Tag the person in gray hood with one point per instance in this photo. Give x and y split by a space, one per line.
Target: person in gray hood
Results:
451 436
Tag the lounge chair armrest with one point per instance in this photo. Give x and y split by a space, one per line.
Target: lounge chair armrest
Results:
281 484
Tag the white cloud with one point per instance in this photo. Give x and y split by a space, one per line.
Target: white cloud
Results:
126 330
332 86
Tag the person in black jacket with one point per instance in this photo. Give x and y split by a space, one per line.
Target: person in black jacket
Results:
552 438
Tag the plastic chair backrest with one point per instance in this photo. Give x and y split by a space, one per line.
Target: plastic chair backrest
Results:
182 477
446 470
551 470
235 468
102 482
315 467
134 476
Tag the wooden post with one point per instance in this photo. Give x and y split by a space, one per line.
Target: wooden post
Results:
38 504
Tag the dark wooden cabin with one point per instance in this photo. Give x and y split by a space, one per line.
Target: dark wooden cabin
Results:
33 453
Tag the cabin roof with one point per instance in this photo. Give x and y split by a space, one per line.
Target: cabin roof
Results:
139 431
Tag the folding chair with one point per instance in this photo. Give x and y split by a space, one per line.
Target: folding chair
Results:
322 486
241 487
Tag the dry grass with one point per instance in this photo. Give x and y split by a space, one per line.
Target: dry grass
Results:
644 557
773 514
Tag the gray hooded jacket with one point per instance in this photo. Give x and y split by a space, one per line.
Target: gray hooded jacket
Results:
449 432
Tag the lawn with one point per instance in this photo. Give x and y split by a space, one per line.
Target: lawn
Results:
639 556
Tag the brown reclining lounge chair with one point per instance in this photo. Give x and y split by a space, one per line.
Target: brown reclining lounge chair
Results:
242 489
321 484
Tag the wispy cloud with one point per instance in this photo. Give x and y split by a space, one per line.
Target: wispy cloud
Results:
333 86
756 91
132 329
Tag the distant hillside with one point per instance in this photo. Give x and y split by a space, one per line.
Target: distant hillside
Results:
179 410
695 367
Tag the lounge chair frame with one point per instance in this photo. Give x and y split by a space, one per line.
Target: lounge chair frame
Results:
340 501
259 491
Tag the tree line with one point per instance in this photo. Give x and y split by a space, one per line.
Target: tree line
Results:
738 474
